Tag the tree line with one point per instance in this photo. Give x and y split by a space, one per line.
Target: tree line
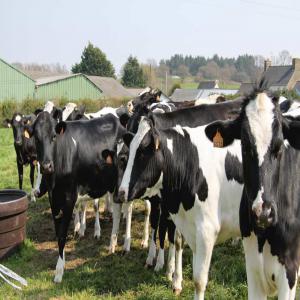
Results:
244 68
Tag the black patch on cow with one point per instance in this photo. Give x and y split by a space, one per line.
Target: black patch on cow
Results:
203 189
233 168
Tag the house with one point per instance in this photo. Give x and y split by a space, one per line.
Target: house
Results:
213 84
14 84
180 95
282 77
79 86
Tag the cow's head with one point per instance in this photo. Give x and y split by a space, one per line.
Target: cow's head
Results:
72 112
144 164
18 123
262 130
44 130
144 99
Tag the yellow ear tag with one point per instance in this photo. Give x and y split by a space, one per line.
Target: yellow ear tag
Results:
218 140
26 134
156 144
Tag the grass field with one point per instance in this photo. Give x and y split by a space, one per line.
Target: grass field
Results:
91 273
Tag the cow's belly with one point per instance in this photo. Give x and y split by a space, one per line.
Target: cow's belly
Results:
193 222
230 198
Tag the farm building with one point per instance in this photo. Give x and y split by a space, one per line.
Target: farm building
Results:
181 95
212 84
14 84
79 86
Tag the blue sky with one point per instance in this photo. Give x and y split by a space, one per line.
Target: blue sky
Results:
56 31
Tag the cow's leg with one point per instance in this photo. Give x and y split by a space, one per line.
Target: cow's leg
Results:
171 255
154 220
177 278
83 216
145 239
254 265
115 230
127 240
97 231
162 230
284 291
20 173
205 241
108 207
63 218
77 216
36 190
32 194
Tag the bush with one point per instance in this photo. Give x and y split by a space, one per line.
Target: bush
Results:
28 106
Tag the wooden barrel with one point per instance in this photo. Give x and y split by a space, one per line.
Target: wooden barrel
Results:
13 215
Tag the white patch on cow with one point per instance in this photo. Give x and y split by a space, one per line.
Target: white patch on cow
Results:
127 238
286 143
261 267
281 99
160 260
152 250
74 141
119 147
153 107
69 108
146 90
59 271
295 112
49 107
158 111
154 190
145 239
179 129
115 228
18 118
258 203
144 127
170 145
171 262
102 112
260 115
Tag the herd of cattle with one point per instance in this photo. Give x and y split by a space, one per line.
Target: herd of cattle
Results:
207 173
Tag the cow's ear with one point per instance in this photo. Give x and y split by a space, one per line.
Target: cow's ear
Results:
127 138
28 130
291 132
124 119
7 123
80 109
57 114
223 133
37 111
60 128
108 156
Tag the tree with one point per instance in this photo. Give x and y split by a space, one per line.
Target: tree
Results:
133 75
182 71
94 62
284 58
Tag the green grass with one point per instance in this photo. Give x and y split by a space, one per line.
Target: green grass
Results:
91 273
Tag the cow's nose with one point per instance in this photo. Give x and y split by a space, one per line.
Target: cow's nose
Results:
47 168
121 197
266 217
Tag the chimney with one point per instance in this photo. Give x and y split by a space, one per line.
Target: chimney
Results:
267 64
296 64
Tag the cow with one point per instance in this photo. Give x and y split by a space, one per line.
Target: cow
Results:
200 186
24 148
270 205
72 159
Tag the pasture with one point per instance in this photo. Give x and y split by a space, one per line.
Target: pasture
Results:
91 273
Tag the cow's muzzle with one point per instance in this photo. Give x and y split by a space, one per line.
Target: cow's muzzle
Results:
121 197
265 215
47 168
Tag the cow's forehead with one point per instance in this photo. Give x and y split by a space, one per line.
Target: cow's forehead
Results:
260 114
18 118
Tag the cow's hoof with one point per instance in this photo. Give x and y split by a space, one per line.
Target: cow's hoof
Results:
158 267
177 292
147 266
144 244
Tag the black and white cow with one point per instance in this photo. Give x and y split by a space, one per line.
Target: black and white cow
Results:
24 147
200 186
270 206
72 159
